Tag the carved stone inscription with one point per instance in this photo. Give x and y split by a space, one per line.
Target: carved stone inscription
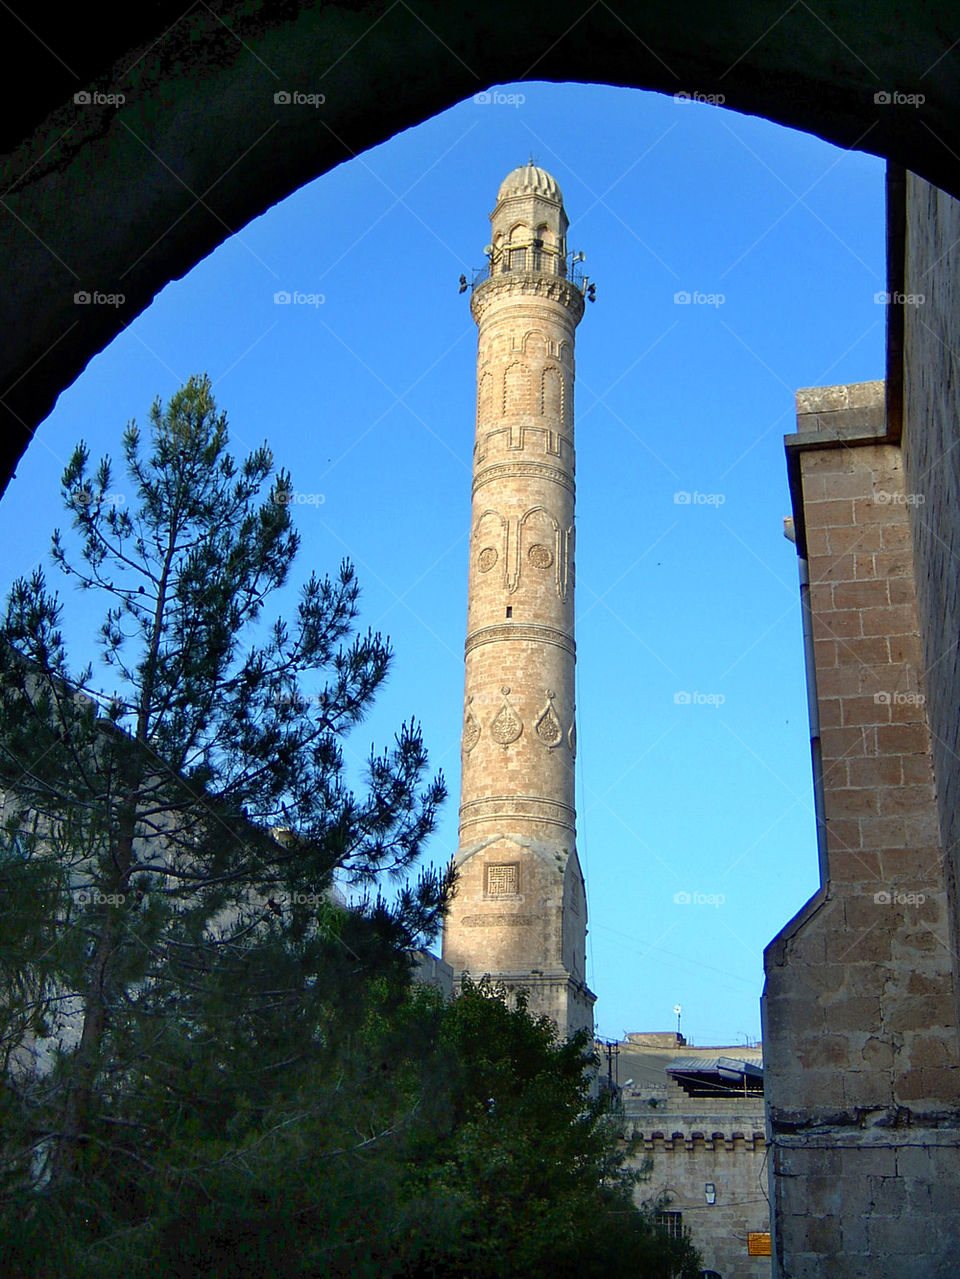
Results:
507 724
502 879
497 921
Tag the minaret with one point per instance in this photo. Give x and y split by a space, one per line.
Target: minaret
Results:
520 913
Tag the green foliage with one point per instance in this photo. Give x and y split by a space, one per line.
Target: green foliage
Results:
171 846
229 1073
428 1139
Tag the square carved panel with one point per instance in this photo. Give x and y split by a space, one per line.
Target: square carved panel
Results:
502 879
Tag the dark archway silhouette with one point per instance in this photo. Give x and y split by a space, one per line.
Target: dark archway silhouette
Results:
103 196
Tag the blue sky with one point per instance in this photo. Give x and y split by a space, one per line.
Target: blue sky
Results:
368 398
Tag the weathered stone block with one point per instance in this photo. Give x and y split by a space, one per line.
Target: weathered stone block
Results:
890 1236
881 772
907 799
843 835
861 594
921 1013
902 739
837 625
865 710
855 866
878 1053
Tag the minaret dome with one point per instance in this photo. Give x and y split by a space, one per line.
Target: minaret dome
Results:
529 179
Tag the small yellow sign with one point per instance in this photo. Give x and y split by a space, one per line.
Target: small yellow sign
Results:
758 1243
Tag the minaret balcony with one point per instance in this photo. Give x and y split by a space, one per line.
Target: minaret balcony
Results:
529 262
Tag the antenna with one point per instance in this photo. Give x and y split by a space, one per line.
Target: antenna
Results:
678 1010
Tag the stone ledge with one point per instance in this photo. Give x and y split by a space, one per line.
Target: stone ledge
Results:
842 398
897 1126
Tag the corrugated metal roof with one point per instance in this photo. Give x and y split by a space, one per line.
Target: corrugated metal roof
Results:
713 1065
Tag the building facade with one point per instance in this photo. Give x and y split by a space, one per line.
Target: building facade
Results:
699 1112
520 913
861 994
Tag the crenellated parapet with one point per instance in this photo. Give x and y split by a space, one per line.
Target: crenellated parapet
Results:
730 1141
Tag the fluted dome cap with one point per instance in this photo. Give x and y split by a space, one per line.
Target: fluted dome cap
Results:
529 179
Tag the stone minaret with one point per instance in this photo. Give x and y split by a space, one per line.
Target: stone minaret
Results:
520 913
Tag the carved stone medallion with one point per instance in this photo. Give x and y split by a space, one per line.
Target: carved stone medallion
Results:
548 725
540 556
486 559
507 724
471 729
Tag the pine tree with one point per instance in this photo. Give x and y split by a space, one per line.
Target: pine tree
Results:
168 943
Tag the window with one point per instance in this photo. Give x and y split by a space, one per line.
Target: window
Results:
671 1223
518 259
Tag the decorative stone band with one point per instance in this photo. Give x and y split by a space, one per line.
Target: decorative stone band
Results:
521 631
513 808
520 437
553 287
524 470
497 921
547 981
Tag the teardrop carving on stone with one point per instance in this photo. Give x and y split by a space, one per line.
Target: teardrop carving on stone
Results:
507 724
548 726
471 729
572 739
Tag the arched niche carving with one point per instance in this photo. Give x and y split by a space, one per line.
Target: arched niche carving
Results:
542 547
516 389
551 393
486 396
491 543
536 345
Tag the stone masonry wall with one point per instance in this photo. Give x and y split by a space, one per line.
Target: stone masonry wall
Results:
734 1162
931 444
863 1094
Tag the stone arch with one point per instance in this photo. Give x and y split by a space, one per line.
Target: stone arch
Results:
491 534
542 548
191 174
518 248
536 344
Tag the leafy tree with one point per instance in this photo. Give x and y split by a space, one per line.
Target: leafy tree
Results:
523 1171
168 951
462 1141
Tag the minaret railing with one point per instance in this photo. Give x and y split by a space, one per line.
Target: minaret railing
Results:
546 266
